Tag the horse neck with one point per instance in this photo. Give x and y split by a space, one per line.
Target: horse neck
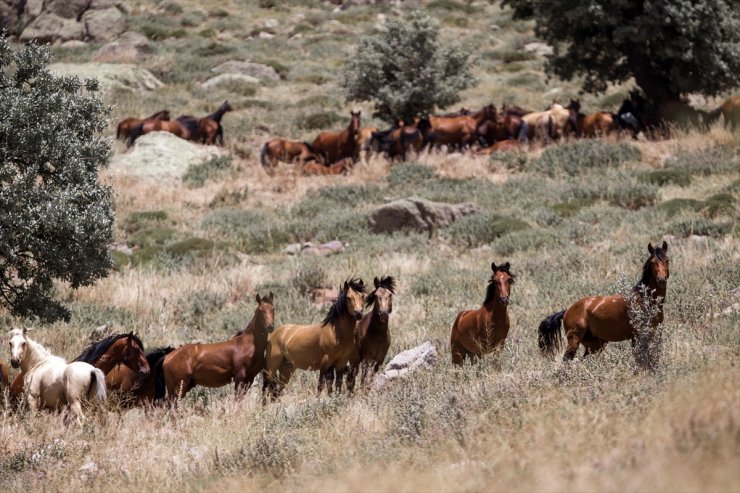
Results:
217 115
495 309
376 323
258 332
344 327
34 355
107 361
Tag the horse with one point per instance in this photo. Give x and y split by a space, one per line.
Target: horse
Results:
118 350
592 125
372 337
186 127
144 392
553 123
314 168
125 126
331 147
239 359
326 347
511 109
730 110
595 320
507 145
210 126
461 112
455 132
4 375
287 151
363 137
397 142
50 381
482 331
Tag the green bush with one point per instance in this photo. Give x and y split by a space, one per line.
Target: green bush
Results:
152 236
701 227
711 160
137 220
213 49
198 174
588 154
526 240
571 207
663 177
719 204
674 206
324 120
482 228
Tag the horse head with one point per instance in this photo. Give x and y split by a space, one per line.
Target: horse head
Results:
381 298
658 263
354 291
354 124
264 315
17 346
500 283
133 356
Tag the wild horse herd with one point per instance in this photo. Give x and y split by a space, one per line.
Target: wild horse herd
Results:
347 342
486 131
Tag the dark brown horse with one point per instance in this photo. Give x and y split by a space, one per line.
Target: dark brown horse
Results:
287 151
482 331
145 391
239 359
595 320
396 143
331 147
372 337
126 126
210 126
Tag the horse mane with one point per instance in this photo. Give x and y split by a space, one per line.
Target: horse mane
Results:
155 355
98 349
647 272
387 282
337 307
491 289
219 113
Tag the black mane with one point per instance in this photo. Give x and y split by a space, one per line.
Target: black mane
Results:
155 355
647 272
491 290
338 306
388 282
97 349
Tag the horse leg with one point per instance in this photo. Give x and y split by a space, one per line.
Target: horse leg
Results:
351 378
323 375
459 353
241 385
593 344
340 379
330 376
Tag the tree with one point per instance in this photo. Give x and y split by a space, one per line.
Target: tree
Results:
55 217
407 70
670 47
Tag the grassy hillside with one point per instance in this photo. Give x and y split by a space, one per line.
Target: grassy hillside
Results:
573 219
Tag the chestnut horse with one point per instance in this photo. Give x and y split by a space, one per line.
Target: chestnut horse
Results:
186 127
595 320
239 359
287 151
730 110
456 132
592 125
325 347
482 331
126 126
339 168
210 126
372 337
4 375
331 147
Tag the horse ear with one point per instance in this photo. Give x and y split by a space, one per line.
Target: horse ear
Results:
506 266
376 282
493 266
665 246
651 250
271 296
26 330
346 286
258 298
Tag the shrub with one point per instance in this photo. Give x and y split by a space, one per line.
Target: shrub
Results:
198 174
482 228
571 207
701 227
674 206
719 204
527 239
663 177
708 161
321 120
252 231
152 236
137 220
573 158
409 174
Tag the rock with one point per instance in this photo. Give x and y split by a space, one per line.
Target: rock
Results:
258 70
265 35
417 213
161 154
227 78
422 357
553 92
324 249
99 333
271 23
295 248
104 25
110 75
296 18
542 49
129 47
47 28
89 468
69 9
73 43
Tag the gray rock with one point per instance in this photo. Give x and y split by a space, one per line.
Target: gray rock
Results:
422 357
73 43
104 25
129 47
110 75
10 14
542 49
265 35
262 72
271 23
227 78
417 213
69 9
48 28
324 249
294 248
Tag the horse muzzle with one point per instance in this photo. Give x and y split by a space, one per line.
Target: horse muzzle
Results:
358 315
504 300
662 281
144 372
269 328
383 316
15 363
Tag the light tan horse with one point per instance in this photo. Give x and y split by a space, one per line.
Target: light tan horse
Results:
553 123
326 347
363 137
50 381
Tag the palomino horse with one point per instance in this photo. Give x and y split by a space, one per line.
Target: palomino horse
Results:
482 331
239 359
126 126
372 337
119 350
341 167
550 124
595 320
325 347
592 125
144 391
331 147
210 126
287 151
50 381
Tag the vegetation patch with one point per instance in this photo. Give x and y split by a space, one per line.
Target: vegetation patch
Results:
482 228
663 177
320 120
588 154
674 206
198 174
718 205
140 219
571 207
711 160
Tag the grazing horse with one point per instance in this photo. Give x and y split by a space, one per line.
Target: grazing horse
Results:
239 359
595 320
126 126
210 126
592 125
118 350
287 151
339 168
482 331
325 347
144 392
331 147
50 381
372 337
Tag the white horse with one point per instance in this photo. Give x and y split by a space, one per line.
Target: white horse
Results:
49 381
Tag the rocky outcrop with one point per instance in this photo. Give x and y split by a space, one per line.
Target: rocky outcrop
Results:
417 214
129 47
110 75
104 25
257 70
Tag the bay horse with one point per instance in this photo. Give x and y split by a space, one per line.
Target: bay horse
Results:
287 151
596 124
482 331
186 127
506 145
126 126
145 391
239 359
210 126
50 381
372 337
114 351
396 143
314 168
326 347
456 132
595 320
331 147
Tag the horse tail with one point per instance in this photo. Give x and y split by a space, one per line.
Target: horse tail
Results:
263 154
523 132
550 329
96 391
136 132
160 390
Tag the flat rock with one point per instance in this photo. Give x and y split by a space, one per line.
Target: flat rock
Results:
69 9
110 75
161 154
417 213
421 357
229 78
258 70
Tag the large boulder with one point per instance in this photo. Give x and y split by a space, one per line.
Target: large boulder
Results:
10 14
69 9
63 20
110 75
161 154
417 213
421 357
129 47
229 78
104 25
48 28
258 70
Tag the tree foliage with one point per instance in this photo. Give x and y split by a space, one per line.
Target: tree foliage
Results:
407 70
670 47
55 217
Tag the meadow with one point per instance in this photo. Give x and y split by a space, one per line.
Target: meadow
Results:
573 219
